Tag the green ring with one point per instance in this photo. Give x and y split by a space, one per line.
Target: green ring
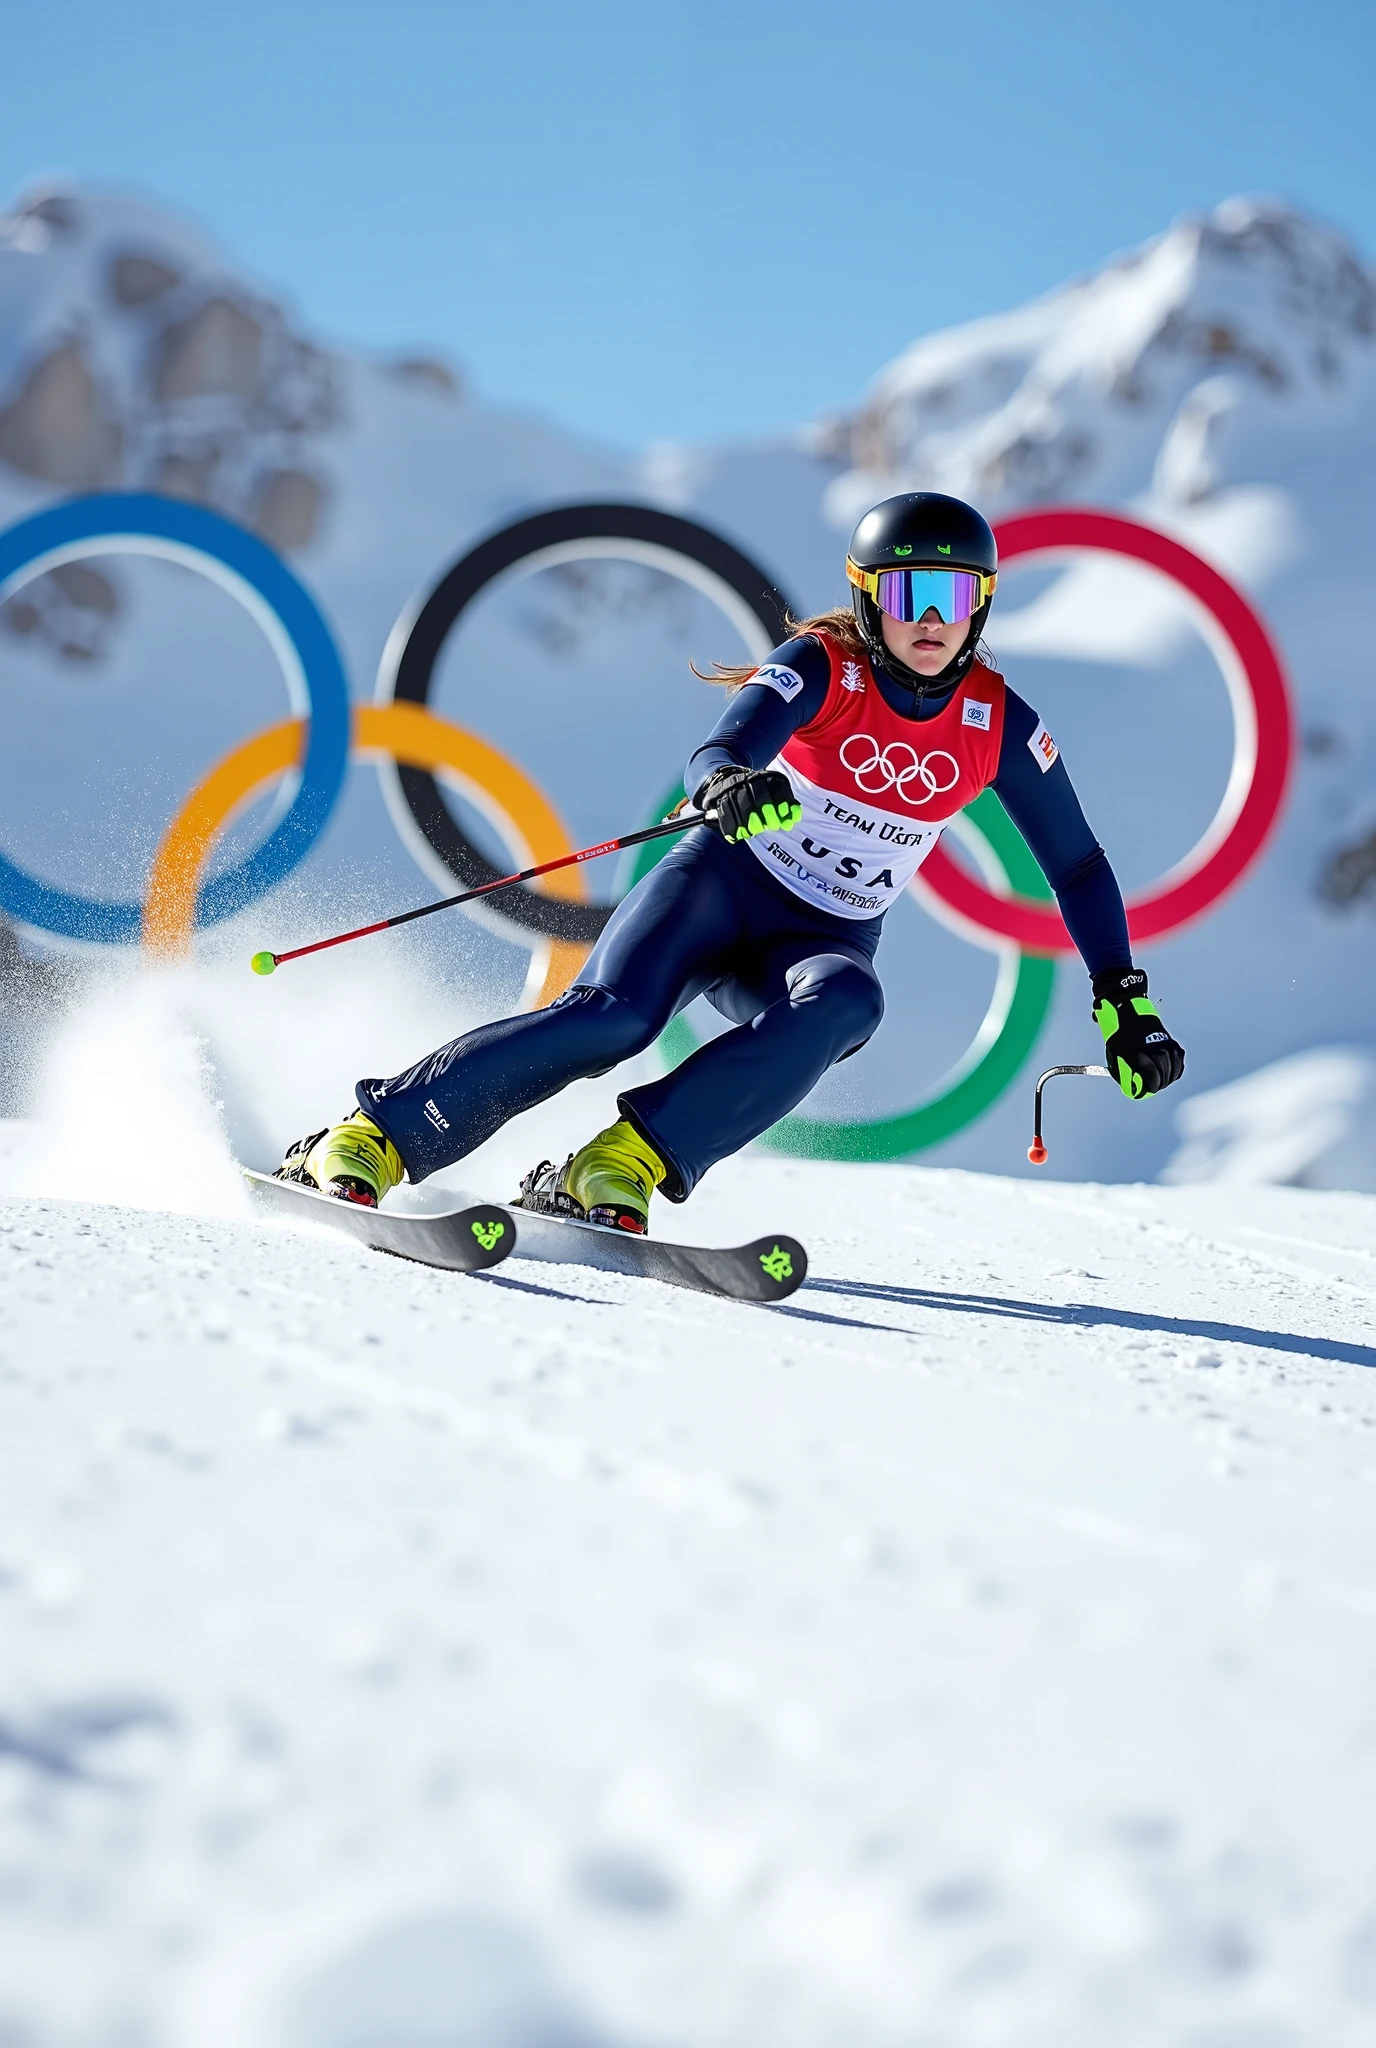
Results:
1010 1029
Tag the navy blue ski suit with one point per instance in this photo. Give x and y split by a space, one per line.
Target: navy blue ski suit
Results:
797 982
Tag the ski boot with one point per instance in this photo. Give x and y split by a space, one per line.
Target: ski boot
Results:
609 1182
352 1161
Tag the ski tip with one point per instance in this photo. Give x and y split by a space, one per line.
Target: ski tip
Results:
263 963
776 1267
493 1234
1037 1152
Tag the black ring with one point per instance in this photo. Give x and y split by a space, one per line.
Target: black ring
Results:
551 916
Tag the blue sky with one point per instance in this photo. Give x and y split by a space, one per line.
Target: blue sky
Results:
687 219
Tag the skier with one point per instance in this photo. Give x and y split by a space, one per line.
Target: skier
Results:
831 773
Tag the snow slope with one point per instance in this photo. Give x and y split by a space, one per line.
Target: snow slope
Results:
1220 380
979 1649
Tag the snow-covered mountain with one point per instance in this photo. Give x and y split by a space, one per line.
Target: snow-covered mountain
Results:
1108 388
1218 381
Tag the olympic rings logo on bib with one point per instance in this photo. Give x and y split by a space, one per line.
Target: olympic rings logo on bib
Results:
882 769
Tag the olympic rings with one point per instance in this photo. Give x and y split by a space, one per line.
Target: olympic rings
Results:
1262 744
637 533
881 763
1019 925
401 732
1006 1035
139 523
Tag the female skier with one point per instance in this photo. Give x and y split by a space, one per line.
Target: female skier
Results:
831 773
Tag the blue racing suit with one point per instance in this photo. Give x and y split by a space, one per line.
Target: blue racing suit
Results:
797 982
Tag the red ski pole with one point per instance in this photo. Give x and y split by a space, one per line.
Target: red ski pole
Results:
267 963
1036 1151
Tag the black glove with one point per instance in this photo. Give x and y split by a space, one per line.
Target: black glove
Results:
1142 1056
748 801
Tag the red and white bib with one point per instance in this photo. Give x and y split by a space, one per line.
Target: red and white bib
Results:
876 789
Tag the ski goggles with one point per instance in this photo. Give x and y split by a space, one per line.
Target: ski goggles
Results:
909 594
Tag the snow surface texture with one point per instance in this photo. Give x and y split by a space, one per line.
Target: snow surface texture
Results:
1220 380
979 1649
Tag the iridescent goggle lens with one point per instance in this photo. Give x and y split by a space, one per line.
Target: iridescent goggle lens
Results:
909 594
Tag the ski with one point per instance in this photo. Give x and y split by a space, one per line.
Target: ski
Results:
464 1240
770 1269
476 1235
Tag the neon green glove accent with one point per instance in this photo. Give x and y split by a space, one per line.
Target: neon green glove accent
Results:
747 801
1130 1083
776 818
1106 1017
1137 1047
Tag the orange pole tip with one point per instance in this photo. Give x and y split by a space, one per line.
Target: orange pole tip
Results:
1036 1152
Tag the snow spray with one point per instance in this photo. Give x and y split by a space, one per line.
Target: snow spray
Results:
127 1109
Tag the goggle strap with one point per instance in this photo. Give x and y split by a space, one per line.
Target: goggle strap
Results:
868 579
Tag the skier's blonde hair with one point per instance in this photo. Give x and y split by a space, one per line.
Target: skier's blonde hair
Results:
839 625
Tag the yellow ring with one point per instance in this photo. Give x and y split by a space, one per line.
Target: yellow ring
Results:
411 736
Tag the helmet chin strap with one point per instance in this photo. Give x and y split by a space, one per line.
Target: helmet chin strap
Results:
927 686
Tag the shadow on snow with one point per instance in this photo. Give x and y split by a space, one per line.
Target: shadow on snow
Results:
1081 1315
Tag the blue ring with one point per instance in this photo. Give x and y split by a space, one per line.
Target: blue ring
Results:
138 513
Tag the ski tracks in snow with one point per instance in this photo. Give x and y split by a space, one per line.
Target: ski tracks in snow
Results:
977 1647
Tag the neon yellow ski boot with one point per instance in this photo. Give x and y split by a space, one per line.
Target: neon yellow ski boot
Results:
609 1181
352 1161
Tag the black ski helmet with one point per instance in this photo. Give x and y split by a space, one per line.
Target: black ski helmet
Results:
920 530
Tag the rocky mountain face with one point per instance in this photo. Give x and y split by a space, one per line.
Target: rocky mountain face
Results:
1120 383
136 362
131 358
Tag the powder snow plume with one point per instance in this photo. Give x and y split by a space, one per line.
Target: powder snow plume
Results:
159 1083
127 1108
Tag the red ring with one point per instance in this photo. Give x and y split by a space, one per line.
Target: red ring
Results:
1195 888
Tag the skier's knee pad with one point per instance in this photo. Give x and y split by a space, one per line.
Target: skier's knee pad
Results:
614 1030
846 994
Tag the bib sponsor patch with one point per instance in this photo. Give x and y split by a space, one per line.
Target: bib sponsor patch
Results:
975 713
1045 749
775 676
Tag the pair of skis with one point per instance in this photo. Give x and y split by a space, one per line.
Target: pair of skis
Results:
479 1235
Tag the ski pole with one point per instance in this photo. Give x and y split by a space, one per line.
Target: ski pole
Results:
1036 1151
267 963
